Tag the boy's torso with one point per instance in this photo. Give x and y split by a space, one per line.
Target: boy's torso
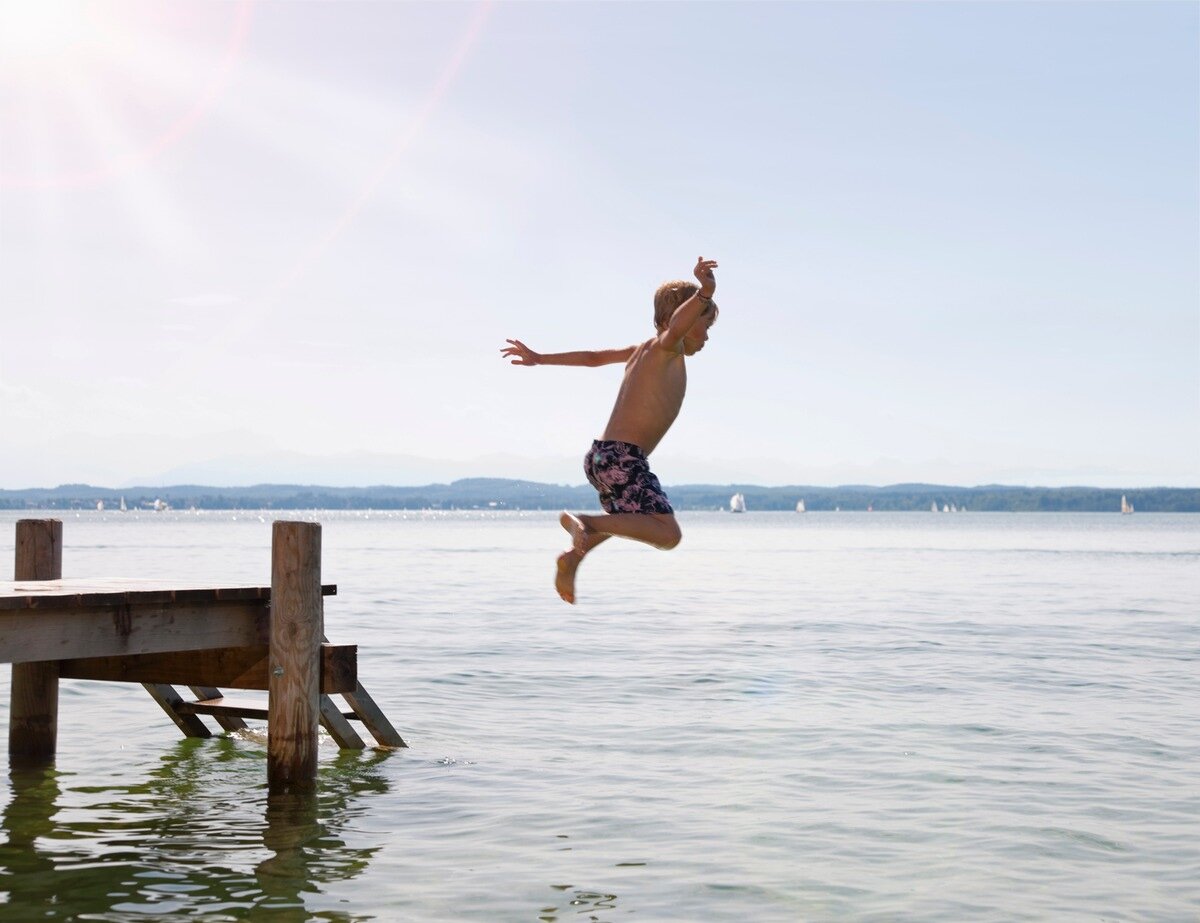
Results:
650 396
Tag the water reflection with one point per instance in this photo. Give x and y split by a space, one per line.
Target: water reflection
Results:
199 837
597 906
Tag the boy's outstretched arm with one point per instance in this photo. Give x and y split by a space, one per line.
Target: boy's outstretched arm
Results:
523 355
689 312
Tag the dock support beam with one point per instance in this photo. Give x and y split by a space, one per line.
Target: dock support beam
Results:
294 681
33 713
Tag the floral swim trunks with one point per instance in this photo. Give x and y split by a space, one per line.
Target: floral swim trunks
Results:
622 475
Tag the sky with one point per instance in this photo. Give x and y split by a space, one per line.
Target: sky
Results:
249 242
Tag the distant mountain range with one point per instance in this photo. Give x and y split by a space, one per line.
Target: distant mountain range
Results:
501 493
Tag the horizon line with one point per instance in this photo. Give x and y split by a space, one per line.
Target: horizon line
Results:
730 484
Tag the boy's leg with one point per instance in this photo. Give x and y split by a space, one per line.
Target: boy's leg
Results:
654 528
657 529
582 539
568 562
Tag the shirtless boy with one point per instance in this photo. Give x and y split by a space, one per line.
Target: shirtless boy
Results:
649 400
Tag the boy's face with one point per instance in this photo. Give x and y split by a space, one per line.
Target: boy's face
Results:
697 335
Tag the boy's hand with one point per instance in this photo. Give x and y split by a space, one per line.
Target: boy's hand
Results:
524 355
704 275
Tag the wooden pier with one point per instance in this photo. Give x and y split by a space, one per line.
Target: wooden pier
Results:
202 638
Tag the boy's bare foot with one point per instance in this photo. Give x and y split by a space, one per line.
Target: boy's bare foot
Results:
579 532
564 576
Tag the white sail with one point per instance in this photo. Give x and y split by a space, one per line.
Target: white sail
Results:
737 503
124 508
933 507
1126 506
800 507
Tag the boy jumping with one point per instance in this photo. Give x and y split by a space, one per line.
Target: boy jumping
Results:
647 404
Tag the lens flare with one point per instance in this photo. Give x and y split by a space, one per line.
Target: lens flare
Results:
40 34
51 48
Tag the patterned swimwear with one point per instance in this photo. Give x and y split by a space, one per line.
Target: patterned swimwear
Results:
621 473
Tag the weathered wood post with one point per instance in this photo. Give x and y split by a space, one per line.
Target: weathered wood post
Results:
33 714
294 683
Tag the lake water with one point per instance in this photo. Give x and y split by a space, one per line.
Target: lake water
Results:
789 717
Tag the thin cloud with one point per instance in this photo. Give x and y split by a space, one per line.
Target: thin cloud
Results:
206 300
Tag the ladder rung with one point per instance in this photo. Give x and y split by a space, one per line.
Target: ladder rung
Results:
223 706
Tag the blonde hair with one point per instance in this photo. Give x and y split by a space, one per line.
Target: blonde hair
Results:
670 295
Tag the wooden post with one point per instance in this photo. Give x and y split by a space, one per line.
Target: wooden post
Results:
33 715
294 680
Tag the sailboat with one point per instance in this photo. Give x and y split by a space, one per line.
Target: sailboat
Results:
800 507
737 503
933 507
1126 506
99 506
124 508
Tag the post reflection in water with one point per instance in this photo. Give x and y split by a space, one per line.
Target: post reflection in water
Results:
593 903
199 836
27 875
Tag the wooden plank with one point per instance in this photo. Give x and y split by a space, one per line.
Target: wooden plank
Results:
338 727
172 703
373 718
33 702
35 593
339 667
51 634
297 628
225 706
227 722
226 667
235 667
244 708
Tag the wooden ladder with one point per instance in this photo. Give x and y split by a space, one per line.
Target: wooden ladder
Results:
229 713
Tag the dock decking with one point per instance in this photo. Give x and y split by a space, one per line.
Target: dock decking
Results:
202 637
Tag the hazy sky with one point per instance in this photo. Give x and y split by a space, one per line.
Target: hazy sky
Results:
267 241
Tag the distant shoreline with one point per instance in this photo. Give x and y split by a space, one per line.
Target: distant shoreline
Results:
506 494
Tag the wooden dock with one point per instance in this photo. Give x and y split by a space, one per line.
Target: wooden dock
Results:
203 638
